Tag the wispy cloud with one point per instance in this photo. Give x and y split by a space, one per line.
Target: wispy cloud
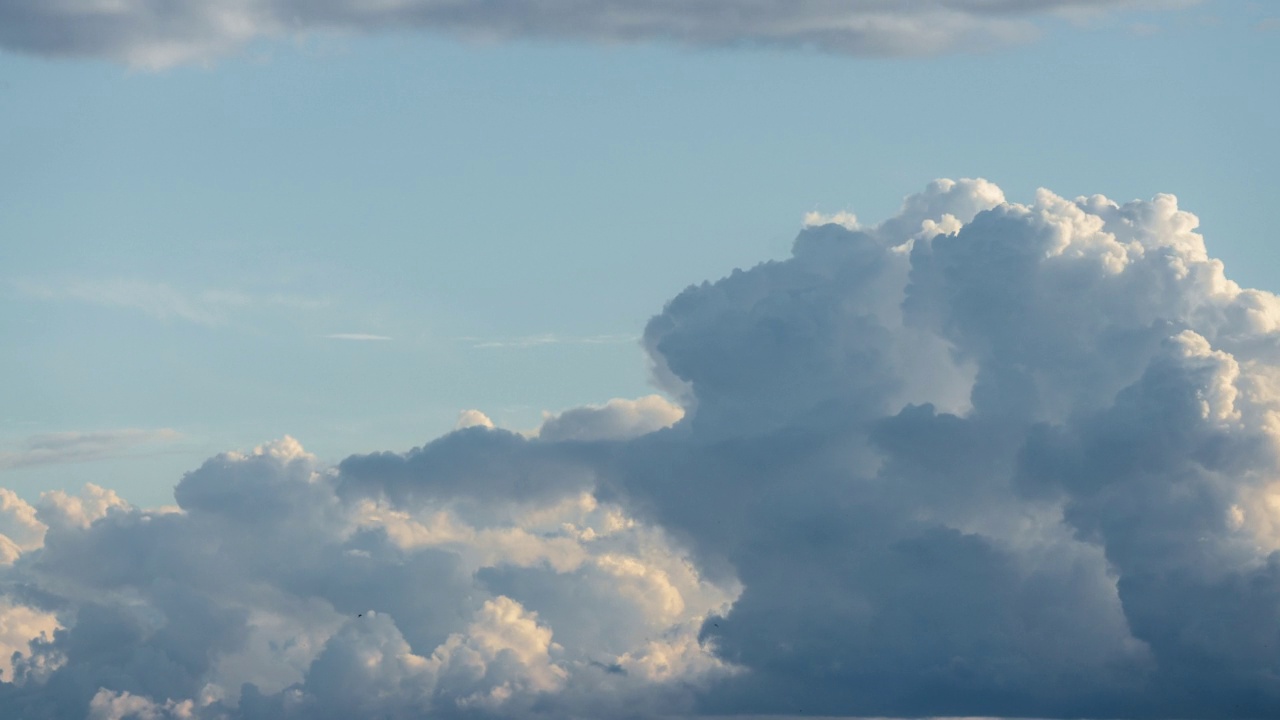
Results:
356 336
71 447
843 218
162 300
529 341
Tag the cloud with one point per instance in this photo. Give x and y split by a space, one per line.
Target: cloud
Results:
529 341
160 300
145 33
472 418
72 447
985 458
19 627
282 588
618 419
18 526
844 218
359 337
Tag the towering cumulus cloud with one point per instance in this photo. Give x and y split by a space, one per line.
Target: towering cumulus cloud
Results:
984 458
156 34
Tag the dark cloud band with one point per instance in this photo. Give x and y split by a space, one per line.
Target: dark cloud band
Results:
156 33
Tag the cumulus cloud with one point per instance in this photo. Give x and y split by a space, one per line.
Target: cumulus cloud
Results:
472 418
281 588
617 419
19 627
146 33
983 458
19 527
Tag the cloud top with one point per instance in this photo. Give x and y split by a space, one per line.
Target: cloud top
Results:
159 34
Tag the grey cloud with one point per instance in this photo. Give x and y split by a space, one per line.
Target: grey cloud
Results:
70 447
157 34
984 458
476 462
939 551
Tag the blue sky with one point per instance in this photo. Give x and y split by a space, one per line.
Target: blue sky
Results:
349 222
451 194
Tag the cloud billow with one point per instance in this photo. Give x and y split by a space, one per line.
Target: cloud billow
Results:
159 34
984 458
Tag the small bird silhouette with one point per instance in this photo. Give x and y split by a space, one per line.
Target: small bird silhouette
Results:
360 615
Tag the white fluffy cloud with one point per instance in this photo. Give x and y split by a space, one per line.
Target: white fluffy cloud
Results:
157 34
472 418
984 458
618 419
278 591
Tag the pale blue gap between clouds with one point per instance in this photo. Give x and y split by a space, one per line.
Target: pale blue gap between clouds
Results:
424 190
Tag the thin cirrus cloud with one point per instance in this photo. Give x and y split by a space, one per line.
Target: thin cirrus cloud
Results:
146 33
357 337
985 458
160 300
531 341
72 447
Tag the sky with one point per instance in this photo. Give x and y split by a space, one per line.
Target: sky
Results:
604 359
